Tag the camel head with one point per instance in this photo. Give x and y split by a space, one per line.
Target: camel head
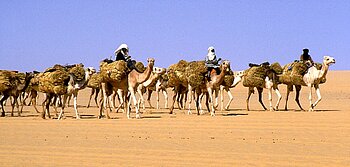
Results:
158 70
328 60
150 62
225 65
239 73
89 71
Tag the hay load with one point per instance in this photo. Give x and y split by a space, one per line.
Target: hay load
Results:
255 76
140 67
176 73
95 80
276 67
7 80
53 82
78 72
114 71
293 73
195 72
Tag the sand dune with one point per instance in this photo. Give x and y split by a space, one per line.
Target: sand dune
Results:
232 138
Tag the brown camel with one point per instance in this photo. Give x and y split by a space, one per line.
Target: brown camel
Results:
13 84
122 86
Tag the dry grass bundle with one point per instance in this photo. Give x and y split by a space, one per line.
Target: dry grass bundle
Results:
7 79
277 68
195 72
255 77
140 67
54 82
78 72
114 71
176 73
95 81
293 73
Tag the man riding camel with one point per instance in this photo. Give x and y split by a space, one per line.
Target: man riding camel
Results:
211 62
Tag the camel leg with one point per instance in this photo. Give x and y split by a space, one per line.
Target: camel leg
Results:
91 94
207 101
278 99
141 99
13 104
297 93
34 95
105 96
216 93
4 97
133 97
230 100
319 97
250 91
75 98
210 92
189 99
269 92
260 90
165 93
47 105
63 106
221 98
96 97
289 88
149 95
173 103
310 98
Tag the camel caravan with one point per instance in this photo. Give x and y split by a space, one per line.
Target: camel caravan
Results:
127 81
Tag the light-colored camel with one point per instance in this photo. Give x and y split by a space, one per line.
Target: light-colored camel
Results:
127 83
238 76
270 83
152 81
313 77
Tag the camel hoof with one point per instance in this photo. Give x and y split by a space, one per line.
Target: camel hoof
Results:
108 117
212 114
138 116
201 112
189 112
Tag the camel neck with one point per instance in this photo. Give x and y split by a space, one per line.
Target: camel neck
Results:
324 70
145 75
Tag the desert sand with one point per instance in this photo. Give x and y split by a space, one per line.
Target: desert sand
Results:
232 138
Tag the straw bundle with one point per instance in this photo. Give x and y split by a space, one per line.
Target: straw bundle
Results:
7 80
176 73
95 81
113 72
195 72
255 76
53 82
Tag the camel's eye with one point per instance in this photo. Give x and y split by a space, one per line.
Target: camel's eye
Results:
327 59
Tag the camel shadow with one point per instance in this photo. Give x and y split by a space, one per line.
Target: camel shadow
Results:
234 114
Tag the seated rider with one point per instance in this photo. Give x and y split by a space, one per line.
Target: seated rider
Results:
306 58
211 62
122 53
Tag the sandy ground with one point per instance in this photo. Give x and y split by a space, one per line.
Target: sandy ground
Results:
232 138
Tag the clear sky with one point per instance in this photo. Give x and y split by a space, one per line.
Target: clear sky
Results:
36 34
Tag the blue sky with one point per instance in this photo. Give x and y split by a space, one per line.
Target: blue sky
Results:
36 34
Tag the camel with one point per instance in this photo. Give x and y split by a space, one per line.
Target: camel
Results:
122 86
237 78
95 85
213 86
147 85
13 85
312 78
71 86
262 77
177 81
